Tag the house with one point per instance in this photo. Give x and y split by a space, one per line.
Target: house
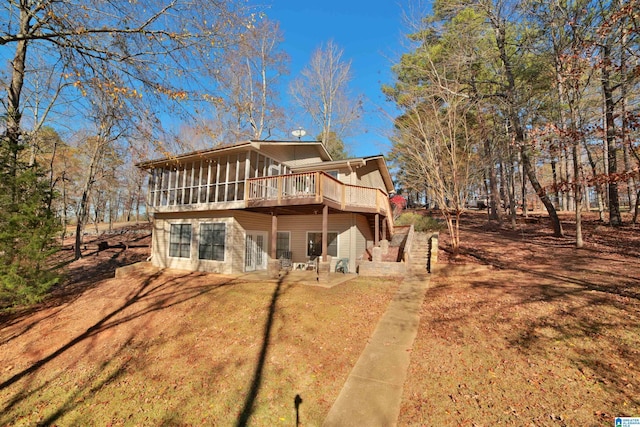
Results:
248 206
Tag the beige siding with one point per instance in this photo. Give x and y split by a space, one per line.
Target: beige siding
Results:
253 221
369 176
293 155
348 227
238 222
365 236
236 247
161 235
353 236
347 177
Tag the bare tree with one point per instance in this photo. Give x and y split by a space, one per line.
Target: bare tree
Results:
251 74
248 79
565 28
109 120
434 143
322 92
150 45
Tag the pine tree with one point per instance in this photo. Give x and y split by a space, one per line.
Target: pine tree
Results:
27 228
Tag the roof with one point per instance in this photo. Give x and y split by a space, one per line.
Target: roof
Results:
268 146
240 146
352 163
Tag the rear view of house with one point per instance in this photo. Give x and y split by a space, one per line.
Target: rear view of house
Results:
256 204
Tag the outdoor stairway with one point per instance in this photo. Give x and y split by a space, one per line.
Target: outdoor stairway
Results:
371 220
396 245
419 254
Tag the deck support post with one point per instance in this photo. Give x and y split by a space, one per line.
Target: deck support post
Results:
325 233
384 228
274 234
273 267
376 236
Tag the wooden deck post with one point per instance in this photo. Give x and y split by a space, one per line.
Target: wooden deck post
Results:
376 237
325 226
384 228
319 187
279 190
274 234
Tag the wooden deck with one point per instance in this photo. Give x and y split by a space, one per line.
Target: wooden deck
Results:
288 194
314 188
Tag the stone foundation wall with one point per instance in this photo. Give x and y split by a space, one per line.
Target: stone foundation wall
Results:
374 269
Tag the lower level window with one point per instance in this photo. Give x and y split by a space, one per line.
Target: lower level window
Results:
314 244
282 245
180 241
212 236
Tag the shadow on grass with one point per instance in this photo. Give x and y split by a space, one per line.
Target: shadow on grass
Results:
74 284
80 392
573 311
249 402
152 295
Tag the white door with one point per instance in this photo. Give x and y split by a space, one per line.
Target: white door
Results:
255 255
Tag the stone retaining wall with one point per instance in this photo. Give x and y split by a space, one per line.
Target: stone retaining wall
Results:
382 269
374 269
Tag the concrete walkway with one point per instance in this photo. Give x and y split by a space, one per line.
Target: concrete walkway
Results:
372 393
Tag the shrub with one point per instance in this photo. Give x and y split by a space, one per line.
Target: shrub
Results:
420 222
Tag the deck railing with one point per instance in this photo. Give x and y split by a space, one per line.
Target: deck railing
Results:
319 186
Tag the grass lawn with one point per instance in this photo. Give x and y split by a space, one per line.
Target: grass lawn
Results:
529 331
522 329
186 349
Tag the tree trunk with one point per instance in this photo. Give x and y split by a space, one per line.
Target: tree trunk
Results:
65 220
577 188
511 191
544 198
13 114
82 210
612 149
587 200
454 231
554 174
138 202
594 171
625 126
568 206
500 33
494 196
81 215
525 208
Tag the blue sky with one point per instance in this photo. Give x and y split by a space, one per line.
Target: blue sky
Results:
371 35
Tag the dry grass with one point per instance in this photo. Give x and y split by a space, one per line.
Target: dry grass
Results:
546 335
522 329
186 349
